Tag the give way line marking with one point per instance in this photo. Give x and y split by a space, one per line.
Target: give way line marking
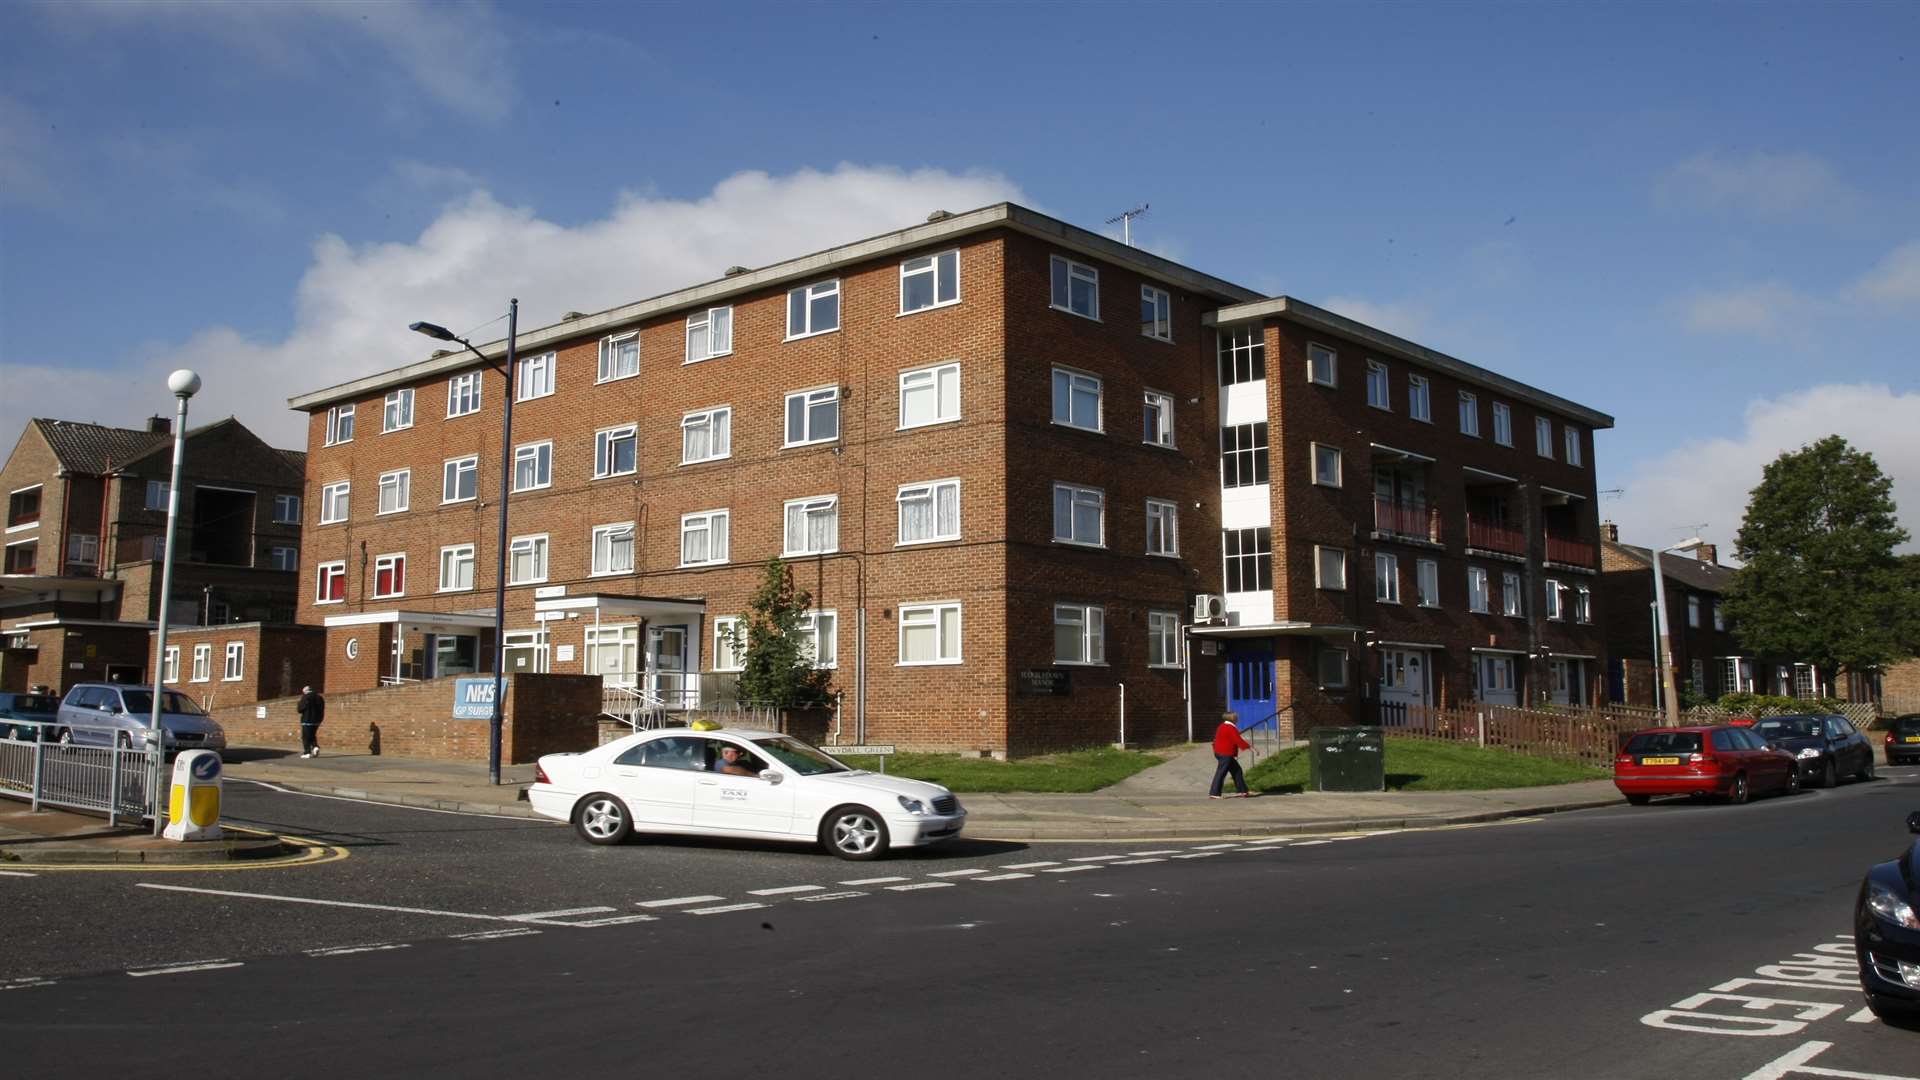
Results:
363 907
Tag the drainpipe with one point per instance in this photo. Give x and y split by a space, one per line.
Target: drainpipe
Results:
1123 715
1186 676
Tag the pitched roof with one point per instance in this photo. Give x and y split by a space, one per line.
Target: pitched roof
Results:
295 458
1687 570
94 448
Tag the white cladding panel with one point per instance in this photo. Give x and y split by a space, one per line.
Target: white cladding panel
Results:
1244 403
1249 608
1246 507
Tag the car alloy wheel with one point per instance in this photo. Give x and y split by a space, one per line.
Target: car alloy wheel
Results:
66 737
1866 771
602 819
1829 776
1793 781
855 833
1737 794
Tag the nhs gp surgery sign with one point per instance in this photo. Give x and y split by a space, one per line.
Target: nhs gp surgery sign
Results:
473 699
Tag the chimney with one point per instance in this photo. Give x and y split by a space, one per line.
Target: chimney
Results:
1708 553
159 425
939 215
1609 532
736 271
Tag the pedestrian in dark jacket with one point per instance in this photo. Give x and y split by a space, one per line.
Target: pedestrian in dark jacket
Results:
313 709
1227 744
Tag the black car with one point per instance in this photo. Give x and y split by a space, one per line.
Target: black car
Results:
1828 747
1903 740
1886 934
40 708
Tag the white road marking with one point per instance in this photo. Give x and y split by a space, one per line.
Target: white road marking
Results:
1271 840
535 916
1385 832
921 885
1163 851
872 880
1311 843
1097 858
1003 877
678 901
1137 862
1197 855
616 920
177 969
396 806
785 889
349 950
1216 847
492 935
829 896
957 873
16 873
1794 1063
25 983
350 904
1029 865
1864 1016
723 909
1070 869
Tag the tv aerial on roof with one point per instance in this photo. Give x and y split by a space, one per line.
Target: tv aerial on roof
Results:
1125 219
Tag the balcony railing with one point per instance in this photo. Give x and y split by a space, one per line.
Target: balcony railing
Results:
1489 536
1569 552
1413 522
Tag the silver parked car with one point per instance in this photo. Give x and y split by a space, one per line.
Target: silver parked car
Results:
103 714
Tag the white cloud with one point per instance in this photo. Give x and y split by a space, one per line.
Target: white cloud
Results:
1896 281
1762 310
353 304
1759 184
1708 481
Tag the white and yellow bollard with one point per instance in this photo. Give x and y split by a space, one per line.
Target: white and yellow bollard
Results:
193 806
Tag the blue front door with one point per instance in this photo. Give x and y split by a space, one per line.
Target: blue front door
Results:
1250 694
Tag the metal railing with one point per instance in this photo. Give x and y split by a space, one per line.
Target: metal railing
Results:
109 779
1416 522
1569 552
1490 536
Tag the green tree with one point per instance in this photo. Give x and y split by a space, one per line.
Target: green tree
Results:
776 668
1820 582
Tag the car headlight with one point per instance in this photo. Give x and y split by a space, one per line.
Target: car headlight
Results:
1808 751
912 806
1890 906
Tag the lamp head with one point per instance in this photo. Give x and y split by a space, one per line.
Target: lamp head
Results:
432 330
184 383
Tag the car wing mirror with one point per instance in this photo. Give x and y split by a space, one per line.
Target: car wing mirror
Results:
1913 822
775 778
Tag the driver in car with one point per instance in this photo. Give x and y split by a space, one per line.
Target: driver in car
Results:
734 762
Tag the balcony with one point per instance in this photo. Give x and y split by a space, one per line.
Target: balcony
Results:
1570 552
1489 536
1406 522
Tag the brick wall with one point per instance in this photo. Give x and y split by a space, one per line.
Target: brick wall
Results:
276 661
32 462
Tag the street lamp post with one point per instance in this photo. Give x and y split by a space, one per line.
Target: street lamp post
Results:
184 384
441 333
1667 688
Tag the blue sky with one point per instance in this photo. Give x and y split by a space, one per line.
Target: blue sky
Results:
1702 219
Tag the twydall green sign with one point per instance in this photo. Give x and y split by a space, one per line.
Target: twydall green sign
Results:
473 699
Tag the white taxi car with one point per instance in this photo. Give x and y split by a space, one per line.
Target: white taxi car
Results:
740 783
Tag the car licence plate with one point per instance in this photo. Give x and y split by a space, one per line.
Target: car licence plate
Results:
1911 738
1659 761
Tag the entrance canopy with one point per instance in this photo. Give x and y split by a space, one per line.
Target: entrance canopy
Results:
1279 629
650 608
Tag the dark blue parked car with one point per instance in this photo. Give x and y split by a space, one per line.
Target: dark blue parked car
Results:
40 708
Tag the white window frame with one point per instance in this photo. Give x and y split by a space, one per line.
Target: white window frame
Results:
1077 497
810 632
1513 599
170 665
336 499
1092 622
1556 607
808 506
535 546
706 320
202 664
1162 435
929 491
1693 611
719 529
1339 465
1427 582
611 532
339 418
1386 577
537 379
233 667
1169 514
450 472
1583 604
724 627
396 413
1160 328
931 269
1075 271
1163 637
1469 414
809 398
819 290
398 482
83 549
1075 381
1543 436
1571 437
1502 423
391 562
1322 553
1379 385
930 615
157 492
286 509
533 451
465 390
451 557
719 424
292 561
603 441
1420 398
1317 352
609 355
1479 591
323 574
936 379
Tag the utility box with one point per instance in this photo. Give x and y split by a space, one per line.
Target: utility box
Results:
1347 759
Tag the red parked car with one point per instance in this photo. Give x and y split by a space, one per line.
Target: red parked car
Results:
1726 761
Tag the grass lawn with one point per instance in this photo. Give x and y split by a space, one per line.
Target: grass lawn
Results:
1418 765
1076 771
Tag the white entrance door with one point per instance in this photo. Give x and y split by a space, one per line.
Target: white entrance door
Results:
1404 691
1497 685
613 653
667 664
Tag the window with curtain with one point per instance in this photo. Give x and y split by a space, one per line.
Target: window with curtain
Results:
813 526
929 511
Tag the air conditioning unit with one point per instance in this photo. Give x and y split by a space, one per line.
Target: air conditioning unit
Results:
1207 607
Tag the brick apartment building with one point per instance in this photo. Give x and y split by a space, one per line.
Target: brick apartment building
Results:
1009 458
85 525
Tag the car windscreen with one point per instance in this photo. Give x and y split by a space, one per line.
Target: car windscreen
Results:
1664 742
804 760
1908 725
35 703
172 701
1789 727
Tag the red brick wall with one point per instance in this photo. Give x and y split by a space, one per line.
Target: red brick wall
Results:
32 462
277 661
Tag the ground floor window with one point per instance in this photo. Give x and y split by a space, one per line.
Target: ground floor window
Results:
525 652
1079 634
1163 639
930 634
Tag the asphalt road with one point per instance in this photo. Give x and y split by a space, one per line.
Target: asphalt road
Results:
455 945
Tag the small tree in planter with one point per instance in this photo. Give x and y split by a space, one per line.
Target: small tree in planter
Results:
777 666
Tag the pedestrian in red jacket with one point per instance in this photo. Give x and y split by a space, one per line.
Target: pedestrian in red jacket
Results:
1227 744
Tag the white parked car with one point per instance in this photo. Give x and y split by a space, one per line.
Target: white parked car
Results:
736 782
